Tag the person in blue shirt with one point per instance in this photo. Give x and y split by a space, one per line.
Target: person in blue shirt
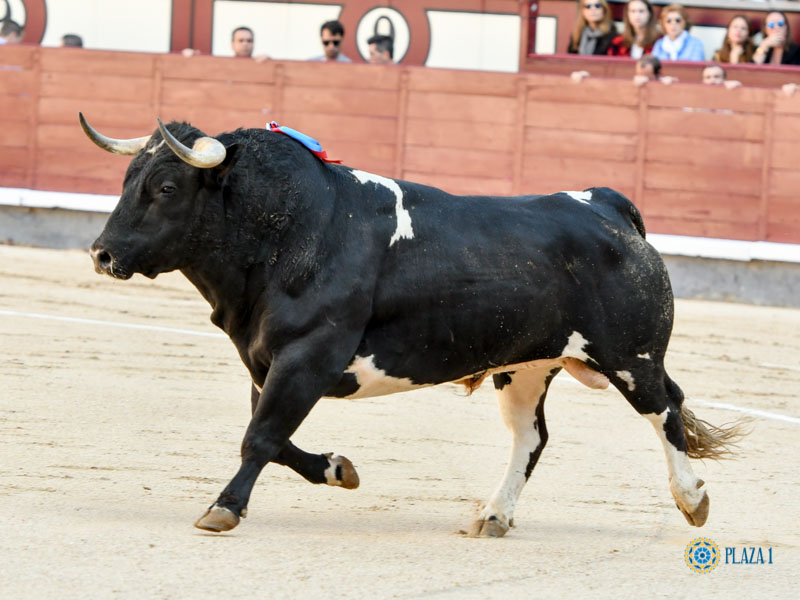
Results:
677 44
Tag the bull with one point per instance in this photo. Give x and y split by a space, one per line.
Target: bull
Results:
334 282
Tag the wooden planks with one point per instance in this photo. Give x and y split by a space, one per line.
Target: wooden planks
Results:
697 160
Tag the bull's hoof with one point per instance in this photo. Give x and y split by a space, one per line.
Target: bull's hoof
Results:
699 515
341 472
491 527
216 519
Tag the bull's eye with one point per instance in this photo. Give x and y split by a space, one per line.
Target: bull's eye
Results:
167 189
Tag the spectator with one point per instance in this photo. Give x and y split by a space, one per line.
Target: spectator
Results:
677 44
10 32
716 75
331 35
640 31
737 47
242 42
381 49
648 68
777 47
594 29
71 40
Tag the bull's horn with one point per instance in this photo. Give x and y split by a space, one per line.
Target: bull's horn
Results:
206 152
131 146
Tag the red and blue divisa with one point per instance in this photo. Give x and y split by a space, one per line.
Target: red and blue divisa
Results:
310 143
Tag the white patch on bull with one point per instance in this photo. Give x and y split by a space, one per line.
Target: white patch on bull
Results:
645 356
404 229
583 197
575 345
627 378
155 148
330 473
373 381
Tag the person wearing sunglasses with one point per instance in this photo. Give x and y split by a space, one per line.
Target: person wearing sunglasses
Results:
640 31
331 35
776 48
594 29
677 44
737 47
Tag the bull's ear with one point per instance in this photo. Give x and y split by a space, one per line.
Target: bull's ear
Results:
221 171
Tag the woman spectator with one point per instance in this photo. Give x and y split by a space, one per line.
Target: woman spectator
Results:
737 47
677 44
640 31
594 28
777 47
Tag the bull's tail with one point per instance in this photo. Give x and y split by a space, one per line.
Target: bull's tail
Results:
704 440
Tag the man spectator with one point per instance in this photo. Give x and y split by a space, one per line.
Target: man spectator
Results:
381 49
10 32
716 75
71 40
242 41
331 35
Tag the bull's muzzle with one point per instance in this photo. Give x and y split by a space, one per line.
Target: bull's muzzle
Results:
103 261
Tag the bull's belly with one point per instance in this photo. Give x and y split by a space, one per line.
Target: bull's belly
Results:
372 381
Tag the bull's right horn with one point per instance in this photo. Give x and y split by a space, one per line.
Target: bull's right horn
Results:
206 153
131 146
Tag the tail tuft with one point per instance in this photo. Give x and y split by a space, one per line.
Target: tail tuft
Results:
704 440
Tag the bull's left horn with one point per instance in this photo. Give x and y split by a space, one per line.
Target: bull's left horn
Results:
131 146
207 152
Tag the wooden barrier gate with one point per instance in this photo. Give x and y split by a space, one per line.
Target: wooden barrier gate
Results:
697 160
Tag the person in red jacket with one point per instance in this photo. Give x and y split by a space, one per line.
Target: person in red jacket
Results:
640 31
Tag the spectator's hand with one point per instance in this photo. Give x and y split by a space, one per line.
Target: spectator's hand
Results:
732 84
578 76
789 89
261 58
667 80
187 52
640 80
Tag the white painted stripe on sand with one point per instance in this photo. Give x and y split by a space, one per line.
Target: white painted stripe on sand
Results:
748 411
13 313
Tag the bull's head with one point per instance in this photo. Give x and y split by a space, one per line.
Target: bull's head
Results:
163 214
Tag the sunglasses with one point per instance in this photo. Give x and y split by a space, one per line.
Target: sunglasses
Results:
595 5
673 19
775 24
329 42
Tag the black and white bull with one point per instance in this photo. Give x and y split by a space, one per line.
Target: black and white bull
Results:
331 281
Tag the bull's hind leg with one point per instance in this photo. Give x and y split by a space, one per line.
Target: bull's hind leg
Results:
656 397
521 398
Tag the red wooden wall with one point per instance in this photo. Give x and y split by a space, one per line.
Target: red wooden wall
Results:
697 160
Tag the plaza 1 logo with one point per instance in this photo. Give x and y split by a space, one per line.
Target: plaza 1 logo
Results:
702 555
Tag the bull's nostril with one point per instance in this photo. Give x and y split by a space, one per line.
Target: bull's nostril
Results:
103 259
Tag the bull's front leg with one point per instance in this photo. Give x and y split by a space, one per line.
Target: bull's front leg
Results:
329 468
290 391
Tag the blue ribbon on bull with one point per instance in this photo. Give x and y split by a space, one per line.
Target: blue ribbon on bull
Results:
310 143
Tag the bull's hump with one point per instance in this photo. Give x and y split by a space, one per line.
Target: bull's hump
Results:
403 228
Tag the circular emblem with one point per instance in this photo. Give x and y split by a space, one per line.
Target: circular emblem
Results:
701 555
385 21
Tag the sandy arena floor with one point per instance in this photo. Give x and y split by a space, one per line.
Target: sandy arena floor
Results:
114 439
